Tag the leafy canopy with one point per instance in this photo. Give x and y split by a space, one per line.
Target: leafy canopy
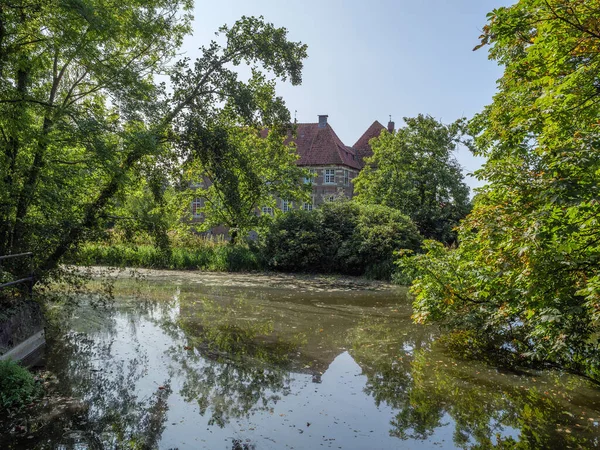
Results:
83 119
414 170
526 276
239 170
340 236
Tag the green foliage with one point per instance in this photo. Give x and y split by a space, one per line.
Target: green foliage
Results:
525 277
206 256
413 170
17 386
240 170
293 242
149 208
342 237
84 123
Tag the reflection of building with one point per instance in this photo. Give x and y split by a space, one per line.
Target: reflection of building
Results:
333 164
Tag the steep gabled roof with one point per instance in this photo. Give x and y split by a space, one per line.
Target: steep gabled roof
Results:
321 146
362 147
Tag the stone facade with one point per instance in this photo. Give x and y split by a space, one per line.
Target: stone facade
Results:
331 182
333 163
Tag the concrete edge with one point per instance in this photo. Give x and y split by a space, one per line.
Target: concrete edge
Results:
26 348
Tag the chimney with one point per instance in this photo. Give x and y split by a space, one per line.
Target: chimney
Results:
323 121
391 125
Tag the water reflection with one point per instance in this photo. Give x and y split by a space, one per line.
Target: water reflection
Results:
193 366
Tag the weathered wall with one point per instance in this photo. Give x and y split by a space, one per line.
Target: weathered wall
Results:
18 323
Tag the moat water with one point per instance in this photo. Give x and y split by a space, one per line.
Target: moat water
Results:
239 362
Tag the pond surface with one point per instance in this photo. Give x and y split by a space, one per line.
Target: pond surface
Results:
239 362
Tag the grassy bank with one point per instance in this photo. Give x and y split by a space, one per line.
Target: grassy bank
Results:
207 256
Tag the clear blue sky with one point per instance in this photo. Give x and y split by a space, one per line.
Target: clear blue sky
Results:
369 59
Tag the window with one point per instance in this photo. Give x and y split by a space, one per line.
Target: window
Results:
311 178
329 176
308 206
197 205
346 178
267 210
330 198
285 205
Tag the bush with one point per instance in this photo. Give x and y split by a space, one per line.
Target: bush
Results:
341 237
293 243
17 386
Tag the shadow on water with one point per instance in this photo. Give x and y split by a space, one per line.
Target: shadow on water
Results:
190 365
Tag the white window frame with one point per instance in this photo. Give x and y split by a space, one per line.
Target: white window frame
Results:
329 176
308 206
197 204
267 210
346 177
310 179
285 205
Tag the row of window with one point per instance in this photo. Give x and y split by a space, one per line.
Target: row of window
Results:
328 176
286 205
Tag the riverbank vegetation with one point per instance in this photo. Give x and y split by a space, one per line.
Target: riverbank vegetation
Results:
525 277
18 387
341 237
191 253
99 162
84 119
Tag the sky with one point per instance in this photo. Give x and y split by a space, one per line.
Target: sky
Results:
368 60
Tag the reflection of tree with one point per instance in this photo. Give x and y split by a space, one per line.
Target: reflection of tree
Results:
385 354
107 409
543 415
239 363
235 355
428 389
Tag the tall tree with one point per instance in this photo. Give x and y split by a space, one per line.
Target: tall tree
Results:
414 170
241 169
82 117
525 279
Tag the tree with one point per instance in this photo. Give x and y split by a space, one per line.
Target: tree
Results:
82 117
341 236
242 169
413 170
525 279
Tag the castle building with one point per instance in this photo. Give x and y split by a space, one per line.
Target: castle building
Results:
333 164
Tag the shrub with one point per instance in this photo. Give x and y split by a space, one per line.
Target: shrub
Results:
17 386
293 242
342 237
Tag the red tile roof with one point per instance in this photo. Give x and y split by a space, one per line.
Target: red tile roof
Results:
321 146
362 147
